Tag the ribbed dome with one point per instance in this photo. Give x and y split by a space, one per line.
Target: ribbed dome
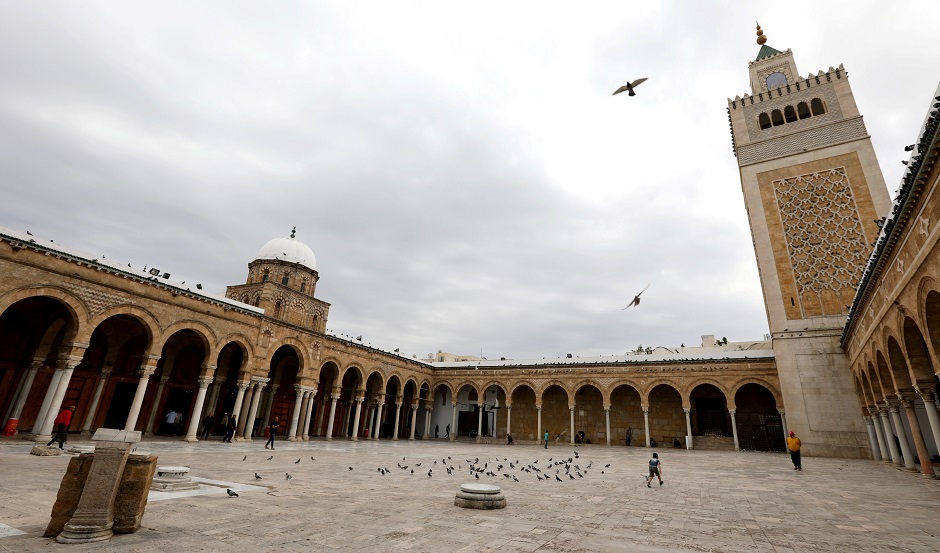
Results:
289 249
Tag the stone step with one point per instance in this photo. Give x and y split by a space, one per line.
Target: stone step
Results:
713 443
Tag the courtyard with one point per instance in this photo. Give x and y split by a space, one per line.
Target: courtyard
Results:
337 499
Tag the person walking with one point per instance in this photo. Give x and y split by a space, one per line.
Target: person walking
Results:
545 437
62 422
437 430
447 431
656 469
230 431
207 426
793 445
272 431
223 424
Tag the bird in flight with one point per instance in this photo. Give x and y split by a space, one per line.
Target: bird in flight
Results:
636 298
629 87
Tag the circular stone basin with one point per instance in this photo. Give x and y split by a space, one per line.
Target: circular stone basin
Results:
479 488
171 472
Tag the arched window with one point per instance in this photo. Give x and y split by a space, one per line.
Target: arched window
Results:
285 279
266 275
789 114
303 286
776 117
277 309
803 110
776 80
817 106
764 121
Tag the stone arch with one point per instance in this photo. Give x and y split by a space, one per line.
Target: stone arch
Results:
789 114
778 398
645 392
540 392
691 386
144 316
884 377
666 416
930 314
590 416
473 385
524 422
71 303
759 424
817 106
626 414
240 340
802 110
915 349
898 365
360 374
201 329
518 383
300 350
763 121
380 378
604 390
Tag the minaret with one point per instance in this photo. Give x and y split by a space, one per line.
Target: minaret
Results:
813 191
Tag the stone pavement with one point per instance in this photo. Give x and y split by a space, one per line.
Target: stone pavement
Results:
711 501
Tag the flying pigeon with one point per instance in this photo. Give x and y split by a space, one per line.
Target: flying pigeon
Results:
636 298
231 493
629 87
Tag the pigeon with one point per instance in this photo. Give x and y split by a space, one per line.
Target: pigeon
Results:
429 472
514 479
412 471
312 459
629 87
556 478
271 457
477 476
257 477
245 457
287 476
636 298
607 466
231 493
297 462
350 468
417 464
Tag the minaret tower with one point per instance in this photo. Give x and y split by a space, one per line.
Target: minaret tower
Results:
813 191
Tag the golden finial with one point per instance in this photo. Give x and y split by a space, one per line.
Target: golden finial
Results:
761 39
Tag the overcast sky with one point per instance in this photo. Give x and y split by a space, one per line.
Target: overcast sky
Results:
461 171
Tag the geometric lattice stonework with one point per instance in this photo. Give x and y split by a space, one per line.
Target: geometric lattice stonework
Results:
824 237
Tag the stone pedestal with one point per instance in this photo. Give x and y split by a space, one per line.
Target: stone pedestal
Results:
480 496
94 516
173 479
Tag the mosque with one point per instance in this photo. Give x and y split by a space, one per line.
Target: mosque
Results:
848 277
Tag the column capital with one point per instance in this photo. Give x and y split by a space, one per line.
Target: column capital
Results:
538 406
36 364
907 399
299 390
688 410
645 408
147 372
732 411
106 372
68 362
164 379
926 394
204 381
242 385
453 404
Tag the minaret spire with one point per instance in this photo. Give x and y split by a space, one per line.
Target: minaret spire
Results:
761 39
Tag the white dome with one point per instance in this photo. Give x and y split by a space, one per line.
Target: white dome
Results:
289 249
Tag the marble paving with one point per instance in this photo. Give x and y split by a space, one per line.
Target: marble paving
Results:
711 501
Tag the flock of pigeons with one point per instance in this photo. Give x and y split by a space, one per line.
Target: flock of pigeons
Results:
497 468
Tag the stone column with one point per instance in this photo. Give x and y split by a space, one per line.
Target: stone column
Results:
734 430
480 407
239 397
26 385
96 400
930 405
329 427
414 420
783 423
646 423
872 439
378 417
495 418
889 437
194 421
355 431
571 416
902 436
880 434
298 433
305 431
253 410
146 370
244 409
295 413
151 420
398 404
67 363
538 427
688 427
36 431
427 423
213 402
268 405
94 516
453 424
926 467
509 419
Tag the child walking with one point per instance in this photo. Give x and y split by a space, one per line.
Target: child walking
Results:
656 469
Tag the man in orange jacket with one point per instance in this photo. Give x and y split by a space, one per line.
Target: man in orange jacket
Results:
793 444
